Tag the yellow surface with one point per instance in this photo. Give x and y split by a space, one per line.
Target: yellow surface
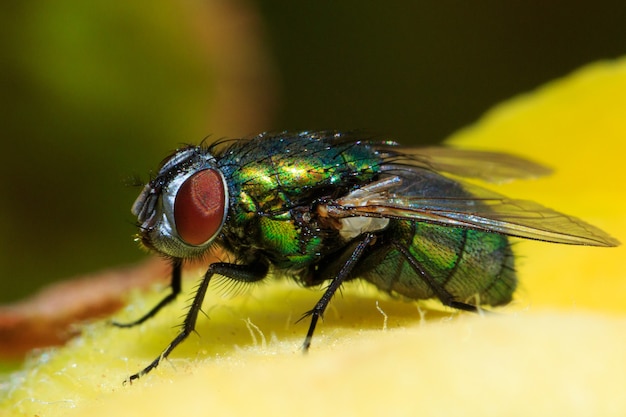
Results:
559 349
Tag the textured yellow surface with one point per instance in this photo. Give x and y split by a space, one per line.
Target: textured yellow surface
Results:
559 349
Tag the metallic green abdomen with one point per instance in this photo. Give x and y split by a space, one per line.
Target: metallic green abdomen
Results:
474 267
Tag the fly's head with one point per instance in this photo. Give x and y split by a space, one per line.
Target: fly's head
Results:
183 209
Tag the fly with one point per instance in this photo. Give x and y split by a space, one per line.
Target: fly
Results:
337 207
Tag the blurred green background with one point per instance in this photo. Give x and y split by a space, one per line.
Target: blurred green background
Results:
96 93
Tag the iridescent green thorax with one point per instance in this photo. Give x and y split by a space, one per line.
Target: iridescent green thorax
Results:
270 177
276 173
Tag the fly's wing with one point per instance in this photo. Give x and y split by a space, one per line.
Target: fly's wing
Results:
487 166
411 193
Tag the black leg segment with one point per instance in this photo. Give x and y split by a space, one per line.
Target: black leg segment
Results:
344 272
175 285
247 273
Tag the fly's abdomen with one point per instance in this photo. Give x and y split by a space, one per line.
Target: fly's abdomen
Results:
472 266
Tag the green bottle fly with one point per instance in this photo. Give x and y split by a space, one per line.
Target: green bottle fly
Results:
329 207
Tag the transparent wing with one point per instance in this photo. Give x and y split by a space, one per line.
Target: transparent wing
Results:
487 166
421 195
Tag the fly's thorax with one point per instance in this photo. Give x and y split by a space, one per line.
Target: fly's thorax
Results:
276 183
277 173
182 210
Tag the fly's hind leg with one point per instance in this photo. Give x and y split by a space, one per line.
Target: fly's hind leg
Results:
442 294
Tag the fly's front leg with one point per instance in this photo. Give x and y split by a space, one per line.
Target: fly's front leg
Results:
344 272
175 284
244 273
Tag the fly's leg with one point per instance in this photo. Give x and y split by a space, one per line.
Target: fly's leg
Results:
175 284
244 273
346 268
442 294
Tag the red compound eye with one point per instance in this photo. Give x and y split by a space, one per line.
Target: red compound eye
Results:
199 207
